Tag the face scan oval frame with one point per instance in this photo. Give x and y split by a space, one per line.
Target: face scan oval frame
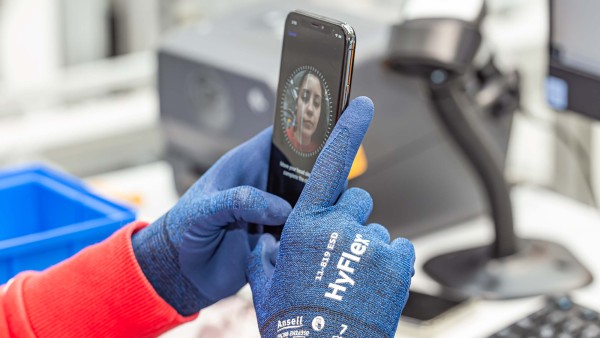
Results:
288 112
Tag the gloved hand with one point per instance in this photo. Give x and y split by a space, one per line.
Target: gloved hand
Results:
195 254
334 276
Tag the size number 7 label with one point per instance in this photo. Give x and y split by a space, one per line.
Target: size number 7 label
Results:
342 331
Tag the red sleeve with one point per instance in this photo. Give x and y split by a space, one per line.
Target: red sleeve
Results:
100 292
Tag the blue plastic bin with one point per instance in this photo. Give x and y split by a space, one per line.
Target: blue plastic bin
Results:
47 216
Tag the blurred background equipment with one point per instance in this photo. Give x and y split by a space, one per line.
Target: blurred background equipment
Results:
559 317
89 106
572 85
574 78
77 79
461 92
217 84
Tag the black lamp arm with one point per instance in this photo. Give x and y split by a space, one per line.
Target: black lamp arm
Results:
459 116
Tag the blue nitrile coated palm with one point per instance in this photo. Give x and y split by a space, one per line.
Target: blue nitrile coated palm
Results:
195 254
334 276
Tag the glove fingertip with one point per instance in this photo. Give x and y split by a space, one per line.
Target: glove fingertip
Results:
404 245
267 241
263 268
406 250
259 257
365 105
358 115
269 251
358 203
380 231
277 210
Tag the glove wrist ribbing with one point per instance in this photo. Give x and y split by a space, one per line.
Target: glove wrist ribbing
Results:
318 322
195 255
158 259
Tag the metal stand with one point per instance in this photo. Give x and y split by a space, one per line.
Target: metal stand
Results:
509 267
537 268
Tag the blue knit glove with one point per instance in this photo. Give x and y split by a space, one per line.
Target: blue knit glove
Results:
195 254
334 277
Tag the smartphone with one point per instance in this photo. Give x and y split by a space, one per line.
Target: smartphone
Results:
313 91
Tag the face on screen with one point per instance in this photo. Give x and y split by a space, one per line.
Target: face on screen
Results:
308 101
305 111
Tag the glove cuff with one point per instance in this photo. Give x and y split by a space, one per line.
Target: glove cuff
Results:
158 259
320 322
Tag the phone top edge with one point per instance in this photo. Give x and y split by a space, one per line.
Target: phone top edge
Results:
318 17
349 34
350 42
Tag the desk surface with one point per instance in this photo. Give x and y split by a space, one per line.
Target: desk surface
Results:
539 214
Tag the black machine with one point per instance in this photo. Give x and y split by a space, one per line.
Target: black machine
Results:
217 87
573 85
510 267
435 150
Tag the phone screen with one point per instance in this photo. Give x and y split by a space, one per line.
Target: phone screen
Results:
309 100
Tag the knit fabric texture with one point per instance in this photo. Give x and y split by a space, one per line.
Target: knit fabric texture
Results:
195 255
333 276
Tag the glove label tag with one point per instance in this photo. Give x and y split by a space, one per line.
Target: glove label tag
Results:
346 268
326 256
294 324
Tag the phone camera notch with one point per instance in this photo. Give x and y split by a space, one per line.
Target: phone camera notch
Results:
317 25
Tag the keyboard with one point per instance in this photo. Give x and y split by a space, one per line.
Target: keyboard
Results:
559 318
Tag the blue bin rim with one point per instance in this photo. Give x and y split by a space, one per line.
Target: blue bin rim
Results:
120 211
44 170
56 237
60 177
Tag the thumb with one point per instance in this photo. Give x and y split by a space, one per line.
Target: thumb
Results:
261 265
247 164
241 204
231 209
